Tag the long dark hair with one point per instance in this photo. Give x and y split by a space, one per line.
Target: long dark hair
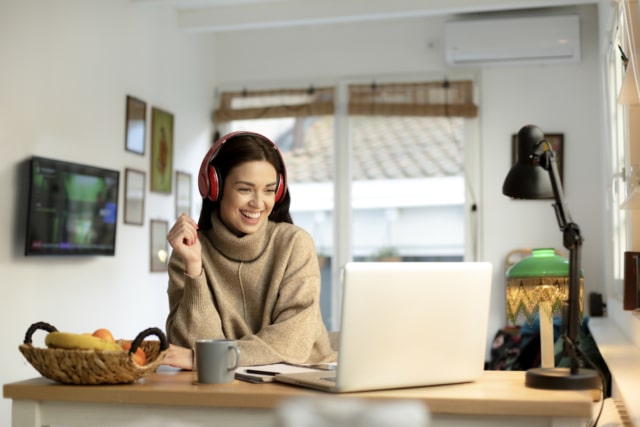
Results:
237 150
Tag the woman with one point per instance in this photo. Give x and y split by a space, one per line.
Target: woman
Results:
244 271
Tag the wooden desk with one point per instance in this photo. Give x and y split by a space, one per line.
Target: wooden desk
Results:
171 399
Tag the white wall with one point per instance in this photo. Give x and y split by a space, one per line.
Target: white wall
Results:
558 98
65 69
316 54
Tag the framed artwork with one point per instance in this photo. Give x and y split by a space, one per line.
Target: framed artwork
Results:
557 143
183 193
161 150
158 245
135 125
134 189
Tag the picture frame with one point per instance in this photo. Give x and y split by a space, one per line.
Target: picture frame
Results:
183 193
134 196
135 125
161 150
557 143
158 245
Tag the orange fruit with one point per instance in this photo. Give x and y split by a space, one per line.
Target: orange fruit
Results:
139 356
104 334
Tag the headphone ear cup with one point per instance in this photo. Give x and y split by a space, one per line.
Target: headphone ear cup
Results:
203 181
215 183
280 188
205 174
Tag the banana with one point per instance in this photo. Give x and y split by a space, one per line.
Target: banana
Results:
79 341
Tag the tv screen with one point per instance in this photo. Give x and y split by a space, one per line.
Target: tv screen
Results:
73 209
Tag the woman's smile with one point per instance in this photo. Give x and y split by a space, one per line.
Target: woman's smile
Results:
252 215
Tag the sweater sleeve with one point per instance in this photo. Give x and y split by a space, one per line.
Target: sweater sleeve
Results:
192 311
295 333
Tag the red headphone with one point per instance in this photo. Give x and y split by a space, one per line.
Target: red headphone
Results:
210 180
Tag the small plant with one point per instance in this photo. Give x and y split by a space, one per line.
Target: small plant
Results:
387 253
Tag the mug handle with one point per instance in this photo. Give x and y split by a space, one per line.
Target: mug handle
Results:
237 361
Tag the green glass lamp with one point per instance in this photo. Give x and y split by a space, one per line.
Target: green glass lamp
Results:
539 285
541 277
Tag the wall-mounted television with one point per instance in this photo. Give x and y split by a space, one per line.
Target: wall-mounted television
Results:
72 210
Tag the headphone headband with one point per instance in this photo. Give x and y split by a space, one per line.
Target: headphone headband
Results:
210 181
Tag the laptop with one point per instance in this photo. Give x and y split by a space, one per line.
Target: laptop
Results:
407 324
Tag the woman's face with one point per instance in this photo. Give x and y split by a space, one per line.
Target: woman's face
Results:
248 196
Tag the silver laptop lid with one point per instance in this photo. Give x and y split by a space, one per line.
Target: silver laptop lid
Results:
412 324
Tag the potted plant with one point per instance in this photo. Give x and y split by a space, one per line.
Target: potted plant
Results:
388 254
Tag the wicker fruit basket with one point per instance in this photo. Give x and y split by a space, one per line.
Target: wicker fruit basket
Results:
94 366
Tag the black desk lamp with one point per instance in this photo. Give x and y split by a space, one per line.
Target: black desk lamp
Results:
529 179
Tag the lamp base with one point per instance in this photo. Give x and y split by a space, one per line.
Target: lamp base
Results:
562 379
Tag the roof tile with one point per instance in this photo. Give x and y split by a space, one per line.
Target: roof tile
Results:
383 147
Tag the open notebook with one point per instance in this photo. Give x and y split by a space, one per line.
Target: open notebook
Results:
266 373
408 324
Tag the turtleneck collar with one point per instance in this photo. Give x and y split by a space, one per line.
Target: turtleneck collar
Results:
246 248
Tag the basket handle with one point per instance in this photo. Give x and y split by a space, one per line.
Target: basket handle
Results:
38 325
164 343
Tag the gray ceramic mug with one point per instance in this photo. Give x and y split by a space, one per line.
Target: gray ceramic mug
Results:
217 360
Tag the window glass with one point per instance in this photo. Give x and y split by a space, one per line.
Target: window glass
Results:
408 188
618 219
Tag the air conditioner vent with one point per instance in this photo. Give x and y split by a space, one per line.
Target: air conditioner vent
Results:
549 39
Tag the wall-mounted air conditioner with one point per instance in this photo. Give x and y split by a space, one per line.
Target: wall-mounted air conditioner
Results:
514 40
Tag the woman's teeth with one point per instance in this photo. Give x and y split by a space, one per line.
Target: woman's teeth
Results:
254 215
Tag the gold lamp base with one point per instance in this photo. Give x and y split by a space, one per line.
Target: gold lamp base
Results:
562 379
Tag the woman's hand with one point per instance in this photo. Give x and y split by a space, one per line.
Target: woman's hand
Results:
179 357
183 238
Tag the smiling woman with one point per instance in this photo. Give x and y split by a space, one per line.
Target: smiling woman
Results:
244 271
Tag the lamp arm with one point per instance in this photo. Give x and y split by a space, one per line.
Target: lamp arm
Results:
572 240
546 159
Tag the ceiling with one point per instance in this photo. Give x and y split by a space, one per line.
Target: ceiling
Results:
238 15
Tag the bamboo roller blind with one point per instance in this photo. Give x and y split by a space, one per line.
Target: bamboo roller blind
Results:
449 99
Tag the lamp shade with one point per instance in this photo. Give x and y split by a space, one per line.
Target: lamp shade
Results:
541 277
526 180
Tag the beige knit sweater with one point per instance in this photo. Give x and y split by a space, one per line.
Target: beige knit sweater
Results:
262 289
